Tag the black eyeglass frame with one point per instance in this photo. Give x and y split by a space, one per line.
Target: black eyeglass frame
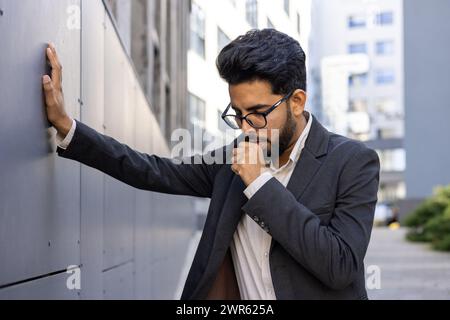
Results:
264 114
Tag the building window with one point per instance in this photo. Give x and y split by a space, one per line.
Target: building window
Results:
386 76
251 12
358 105
198 30
384 48
299 23
384 18
223 127
233 3
357 48
197 111
388 108
392 160
356 21
287 7
358 80
222 39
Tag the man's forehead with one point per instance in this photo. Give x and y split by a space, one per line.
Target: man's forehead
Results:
245 97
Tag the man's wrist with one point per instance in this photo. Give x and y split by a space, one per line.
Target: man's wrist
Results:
63 127
253 187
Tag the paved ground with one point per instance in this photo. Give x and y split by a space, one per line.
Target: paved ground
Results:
408 270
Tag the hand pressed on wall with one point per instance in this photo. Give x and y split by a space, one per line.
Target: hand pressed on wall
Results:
54 96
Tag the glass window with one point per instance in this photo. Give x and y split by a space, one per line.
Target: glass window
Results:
357 48
287 7
197 117
386 76
299 23
222 39
358 80
223 127
197 111
358 105
384 18
384 47
251 13
270 24
392 160
356 21
198 30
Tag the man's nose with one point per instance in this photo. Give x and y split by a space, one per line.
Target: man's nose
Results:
249 131
246 128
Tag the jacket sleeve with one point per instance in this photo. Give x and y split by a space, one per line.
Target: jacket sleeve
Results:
334 253
191 177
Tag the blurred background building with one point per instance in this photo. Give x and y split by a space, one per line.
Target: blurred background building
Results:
427 95
155 35
356 79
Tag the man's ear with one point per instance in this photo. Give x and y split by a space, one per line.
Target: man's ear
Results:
298 102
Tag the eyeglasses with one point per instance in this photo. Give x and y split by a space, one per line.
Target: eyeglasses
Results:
257 120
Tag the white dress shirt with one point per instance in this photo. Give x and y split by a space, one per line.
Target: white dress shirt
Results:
250 247
63 142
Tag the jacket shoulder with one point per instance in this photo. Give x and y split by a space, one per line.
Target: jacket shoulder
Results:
347 148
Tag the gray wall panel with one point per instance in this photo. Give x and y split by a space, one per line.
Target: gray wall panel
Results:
55 212
427 95
119 198
92 181
118 283
39 195
144 205
49 288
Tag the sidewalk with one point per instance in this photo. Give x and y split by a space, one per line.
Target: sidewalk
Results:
408 270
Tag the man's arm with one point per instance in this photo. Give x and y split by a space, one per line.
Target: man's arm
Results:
334 253
140 170
63 142
194 178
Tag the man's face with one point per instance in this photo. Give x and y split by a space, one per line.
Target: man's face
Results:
257 96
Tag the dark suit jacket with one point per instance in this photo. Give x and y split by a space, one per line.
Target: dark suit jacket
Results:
320 224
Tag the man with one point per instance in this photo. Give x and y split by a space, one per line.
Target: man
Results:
297 229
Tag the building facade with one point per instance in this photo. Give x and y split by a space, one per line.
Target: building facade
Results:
155 35
68 231
372 108
427 96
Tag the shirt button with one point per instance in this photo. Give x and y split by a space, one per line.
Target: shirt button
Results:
266 254
256 218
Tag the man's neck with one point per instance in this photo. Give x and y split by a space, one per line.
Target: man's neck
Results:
284 158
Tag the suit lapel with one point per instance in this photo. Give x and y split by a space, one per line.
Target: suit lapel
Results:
231 212
316 145
230 215
305 169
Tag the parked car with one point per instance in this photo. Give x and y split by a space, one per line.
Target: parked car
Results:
384 215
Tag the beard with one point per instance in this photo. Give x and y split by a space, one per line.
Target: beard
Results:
286 134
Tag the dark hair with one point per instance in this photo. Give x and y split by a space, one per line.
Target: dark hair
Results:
264 55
